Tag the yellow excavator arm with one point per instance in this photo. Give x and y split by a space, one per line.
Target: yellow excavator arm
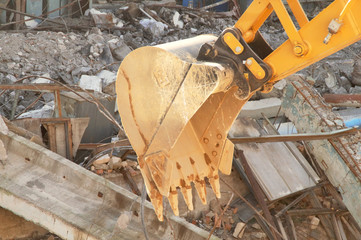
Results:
177 101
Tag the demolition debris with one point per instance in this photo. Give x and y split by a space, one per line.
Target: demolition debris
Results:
57 83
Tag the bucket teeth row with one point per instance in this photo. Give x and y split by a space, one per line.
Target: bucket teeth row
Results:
166 174
184 173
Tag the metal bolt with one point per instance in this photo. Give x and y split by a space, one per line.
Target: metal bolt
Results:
219 136
205 140
214 153
238 49
249 62
298 50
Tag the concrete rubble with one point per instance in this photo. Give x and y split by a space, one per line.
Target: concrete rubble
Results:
81 58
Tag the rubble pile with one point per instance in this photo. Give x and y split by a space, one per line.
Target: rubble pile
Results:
91 59
77 58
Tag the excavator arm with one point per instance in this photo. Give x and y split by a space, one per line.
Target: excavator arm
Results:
177 101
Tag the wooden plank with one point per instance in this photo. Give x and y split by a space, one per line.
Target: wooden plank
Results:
3 3
293 203
336 227
280 226
324 219
265 160
342 230
292 226
311 211
52 137
17 16
78 126
263 225
40 86
354 232
69 139
58 112
258 193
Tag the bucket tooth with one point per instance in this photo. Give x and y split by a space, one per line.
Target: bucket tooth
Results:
160 169
186 187
152 190
214 181
157 200
187 195
200 186
173 200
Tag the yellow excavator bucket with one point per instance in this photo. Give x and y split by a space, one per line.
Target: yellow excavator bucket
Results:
176 112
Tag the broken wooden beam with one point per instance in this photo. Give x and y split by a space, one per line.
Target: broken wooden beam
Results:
280 226
313 211
100 147
39 87
293 203
326 222
129 179
336 227
214 4
292 226
353 231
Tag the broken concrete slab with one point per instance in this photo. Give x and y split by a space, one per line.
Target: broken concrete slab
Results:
119 49
42 79
176 20
15 227
90 83
24 133
157 29
239 230
102 19
254 109
72 202
107 76
339 158
108 81
47 111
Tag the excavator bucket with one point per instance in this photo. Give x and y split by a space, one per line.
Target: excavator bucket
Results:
176 112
